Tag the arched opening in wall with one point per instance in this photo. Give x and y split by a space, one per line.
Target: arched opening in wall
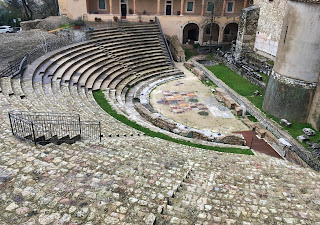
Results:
190 33
215 33
230 32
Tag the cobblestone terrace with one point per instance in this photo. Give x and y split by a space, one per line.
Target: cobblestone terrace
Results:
142 180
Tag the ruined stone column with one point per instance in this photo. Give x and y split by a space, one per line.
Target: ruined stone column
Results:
181 9
291 87
247 31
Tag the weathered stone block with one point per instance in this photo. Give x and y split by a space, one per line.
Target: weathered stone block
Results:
303 138
308 131
285 122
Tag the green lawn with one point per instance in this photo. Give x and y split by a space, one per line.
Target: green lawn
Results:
265 77
239 84
295 130
100 99
244 88
190 53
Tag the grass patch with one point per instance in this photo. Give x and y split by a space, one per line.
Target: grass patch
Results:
104 104
209 83
252 118
239 84
295 130
190 53
265 77
244 88
210 56
270 62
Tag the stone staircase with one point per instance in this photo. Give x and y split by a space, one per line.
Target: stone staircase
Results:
130 178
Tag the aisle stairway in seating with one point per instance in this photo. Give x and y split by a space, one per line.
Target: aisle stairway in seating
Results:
130 178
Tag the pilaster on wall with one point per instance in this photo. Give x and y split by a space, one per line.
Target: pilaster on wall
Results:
247 30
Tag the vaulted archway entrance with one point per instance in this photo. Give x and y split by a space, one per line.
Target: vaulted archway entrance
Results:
190 33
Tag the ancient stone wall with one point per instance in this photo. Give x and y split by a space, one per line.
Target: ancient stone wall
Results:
297 65
265 122
176 49
169 125
269 26
247 30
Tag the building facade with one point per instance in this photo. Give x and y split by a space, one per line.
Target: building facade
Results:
188 19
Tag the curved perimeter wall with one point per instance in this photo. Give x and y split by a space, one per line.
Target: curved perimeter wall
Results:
292 86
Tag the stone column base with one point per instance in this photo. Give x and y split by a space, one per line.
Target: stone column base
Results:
288 98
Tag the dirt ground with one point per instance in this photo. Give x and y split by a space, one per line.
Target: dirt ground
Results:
192 118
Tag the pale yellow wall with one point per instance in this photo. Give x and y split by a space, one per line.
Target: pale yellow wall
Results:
63 7
173 25
217 9
76 8
215 33
149 5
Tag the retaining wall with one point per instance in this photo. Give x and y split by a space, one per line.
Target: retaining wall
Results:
297 150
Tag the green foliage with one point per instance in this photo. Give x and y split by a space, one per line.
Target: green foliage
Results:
78 22
270 62
265 77
252 118
295 130
210 56
195 46
100 99
190 53
245 88
8 13
233 80
209 83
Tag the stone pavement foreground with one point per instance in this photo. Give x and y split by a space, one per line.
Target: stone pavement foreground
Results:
143 180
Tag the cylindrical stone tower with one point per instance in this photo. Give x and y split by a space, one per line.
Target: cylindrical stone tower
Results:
291 87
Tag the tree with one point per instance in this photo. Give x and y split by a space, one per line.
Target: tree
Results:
30 9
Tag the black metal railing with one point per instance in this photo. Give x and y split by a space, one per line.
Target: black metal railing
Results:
44 128
164 39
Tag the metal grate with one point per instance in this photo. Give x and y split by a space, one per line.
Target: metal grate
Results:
44 128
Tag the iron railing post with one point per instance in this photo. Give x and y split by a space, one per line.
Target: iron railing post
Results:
34 136
11 123
100 131
79 127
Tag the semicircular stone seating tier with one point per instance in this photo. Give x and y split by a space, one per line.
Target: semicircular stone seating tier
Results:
133 179
115 58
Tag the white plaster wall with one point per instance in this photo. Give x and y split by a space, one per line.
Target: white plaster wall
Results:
269 26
